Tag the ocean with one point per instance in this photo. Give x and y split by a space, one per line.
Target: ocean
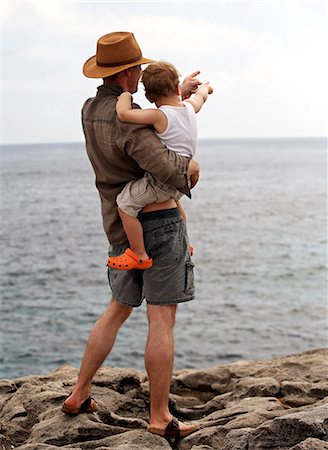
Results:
257 221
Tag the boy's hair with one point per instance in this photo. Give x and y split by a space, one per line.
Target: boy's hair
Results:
160 79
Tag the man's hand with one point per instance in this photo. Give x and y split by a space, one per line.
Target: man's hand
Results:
193 173
190 85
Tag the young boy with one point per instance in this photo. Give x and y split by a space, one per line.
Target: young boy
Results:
174 121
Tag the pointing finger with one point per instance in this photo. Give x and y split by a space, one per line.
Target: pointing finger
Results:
194 74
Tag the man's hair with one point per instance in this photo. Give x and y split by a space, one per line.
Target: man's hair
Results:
112 77
160 79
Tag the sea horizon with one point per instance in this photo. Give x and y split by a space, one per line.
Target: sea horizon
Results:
200 140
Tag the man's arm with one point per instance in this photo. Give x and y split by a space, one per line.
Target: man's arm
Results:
147 150
190 85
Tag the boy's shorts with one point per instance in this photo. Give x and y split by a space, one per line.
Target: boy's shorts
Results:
143 191
170 280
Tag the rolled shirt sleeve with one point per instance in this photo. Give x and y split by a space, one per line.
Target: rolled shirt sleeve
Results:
151 155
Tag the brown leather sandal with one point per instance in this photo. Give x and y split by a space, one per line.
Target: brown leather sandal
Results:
84 408
172 431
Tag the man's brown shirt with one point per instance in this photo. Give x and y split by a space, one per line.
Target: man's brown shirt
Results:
120 152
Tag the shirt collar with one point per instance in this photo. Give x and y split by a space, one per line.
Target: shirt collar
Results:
115 89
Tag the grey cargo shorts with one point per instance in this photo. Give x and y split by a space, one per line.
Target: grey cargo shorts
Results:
170 280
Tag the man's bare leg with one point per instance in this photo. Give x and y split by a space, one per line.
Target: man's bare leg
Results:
159 357
100 343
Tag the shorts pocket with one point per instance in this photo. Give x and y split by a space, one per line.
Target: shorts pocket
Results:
189 278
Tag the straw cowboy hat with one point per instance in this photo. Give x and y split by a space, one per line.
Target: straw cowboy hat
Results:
115 52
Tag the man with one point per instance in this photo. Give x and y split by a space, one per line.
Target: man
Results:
119 153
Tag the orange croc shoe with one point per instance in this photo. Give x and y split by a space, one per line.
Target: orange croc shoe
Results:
128 261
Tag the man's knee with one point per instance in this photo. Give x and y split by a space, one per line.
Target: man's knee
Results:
118 311
164 314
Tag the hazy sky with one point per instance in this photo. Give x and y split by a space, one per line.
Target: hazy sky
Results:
267 62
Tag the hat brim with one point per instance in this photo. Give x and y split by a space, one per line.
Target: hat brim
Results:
92 70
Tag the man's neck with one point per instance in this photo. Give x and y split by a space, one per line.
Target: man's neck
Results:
118 81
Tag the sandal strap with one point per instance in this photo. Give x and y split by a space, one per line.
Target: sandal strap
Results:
85 405
172 429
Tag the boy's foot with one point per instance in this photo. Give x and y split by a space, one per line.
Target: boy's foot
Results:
128 261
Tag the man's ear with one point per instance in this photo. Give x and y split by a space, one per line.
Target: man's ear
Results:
128 72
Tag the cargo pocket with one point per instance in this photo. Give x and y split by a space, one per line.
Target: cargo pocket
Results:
189 278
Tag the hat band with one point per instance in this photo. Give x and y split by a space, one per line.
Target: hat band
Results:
121 63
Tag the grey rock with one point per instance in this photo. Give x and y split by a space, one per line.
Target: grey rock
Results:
257 387
311 444
201 447
40 447
7 387
319 390
124 447
243 409
210 436
291 429
237 439
216 379
276 404
60 430
300 393
136 439
295 387
5 443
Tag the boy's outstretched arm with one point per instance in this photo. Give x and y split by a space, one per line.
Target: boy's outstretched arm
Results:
200 96
126 113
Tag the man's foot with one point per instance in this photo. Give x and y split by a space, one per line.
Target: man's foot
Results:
128 261
73 405
174 429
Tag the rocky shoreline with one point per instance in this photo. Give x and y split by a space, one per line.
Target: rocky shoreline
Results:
278 404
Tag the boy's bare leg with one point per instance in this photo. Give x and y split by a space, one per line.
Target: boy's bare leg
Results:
134 232
100 343
159 357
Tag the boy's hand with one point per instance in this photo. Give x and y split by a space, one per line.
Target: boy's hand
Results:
125 94
206 86
190 85
210 89
123 105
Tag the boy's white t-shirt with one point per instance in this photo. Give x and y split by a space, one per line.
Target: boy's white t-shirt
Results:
181 132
